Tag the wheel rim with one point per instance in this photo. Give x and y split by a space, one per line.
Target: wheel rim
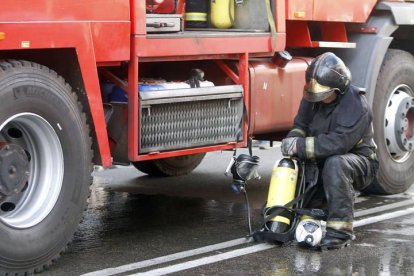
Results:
36 200
399 123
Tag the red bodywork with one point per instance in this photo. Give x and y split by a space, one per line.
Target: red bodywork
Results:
109 32
275 94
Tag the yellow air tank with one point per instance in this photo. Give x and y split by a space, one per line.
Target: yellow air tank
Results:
282 190
222 13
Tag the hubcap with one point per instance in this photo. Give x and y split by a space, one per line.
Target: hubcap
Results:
399 123
37 164
14 169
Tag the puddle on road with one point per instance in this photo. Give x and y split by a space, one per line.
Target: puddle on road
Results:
360 259
116 218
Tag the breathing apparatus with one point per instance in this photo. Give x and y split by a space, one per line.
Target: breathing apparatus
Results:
222 13
281 190
309 232
284 218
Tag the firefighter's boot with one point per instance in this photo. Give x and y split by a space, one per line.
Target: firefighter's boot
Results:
335 239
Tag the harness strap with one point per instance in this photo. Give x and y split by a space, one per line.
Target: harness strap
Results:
272 24
276 210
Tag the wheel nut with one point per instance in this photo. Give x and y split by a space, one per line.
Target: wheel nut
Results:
405 124
12 170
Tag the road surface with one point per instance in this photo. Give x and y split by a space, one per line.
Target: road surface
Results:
196 225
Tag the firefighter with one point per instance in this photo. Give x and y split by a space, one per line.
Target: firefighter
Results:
333 128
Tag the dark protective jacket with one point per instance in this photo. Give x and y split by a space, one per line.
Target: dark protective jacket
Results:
343 126
339 136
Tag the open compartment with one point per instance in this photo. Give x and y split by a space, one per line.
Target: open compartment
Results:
181 112
181 106
218 16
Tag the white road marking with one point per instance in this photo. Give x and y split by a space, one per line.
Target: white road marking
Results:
168 258
383 217
235 253
255 248
207 260
384 208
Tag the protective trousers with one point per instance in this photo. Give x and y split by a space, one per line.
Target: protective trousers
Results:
341 176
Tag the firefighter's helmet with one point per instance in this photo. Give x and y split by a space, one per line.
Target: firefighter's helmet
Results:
326 75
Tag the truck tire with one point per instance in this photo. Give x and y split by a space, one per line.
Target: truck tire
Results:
45 145
173 166
393 111
147 167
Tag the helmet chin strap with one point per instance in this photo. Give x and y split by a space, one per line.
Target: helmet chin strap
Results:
341 92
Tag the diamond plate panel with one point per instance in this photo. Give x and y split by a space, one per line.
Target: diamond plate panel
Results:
180 125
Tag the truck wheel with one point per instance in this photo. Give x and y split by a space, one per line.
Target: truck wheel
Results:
147 167
45 166
173 166
393 110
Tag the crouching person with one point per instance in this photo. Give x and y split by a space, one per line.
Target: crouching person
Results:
334 127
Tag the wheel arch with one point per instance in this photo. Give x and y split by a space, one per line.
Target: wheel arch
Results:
393 31
393 26
65 63
365 61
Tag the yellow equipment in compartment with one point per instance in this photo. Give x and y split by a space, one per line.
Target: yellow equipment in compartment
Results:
222 13
282 187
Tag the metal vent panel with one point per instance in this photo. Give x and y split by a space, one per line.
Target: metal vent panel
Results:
188 124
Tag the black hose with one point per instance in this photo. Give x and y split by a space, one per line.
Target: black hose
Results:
302 183
248 211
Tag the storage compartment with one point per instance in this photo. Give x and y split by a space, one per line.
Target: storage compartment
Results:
187 118
219 16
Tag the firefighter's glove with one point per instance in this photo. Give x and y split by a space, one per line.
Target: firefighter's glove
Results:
289 146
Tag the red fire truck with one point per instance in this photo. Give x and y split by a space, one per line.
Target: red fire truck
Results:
159 83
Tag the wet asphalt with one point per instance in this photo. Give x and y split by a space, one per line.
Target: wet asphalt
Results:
132 218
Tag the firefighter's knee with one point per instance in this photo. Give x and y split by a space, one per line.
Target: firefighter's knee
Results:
334 166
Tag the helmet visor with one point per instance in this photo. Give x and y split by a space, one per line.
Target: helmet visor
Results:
316 92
